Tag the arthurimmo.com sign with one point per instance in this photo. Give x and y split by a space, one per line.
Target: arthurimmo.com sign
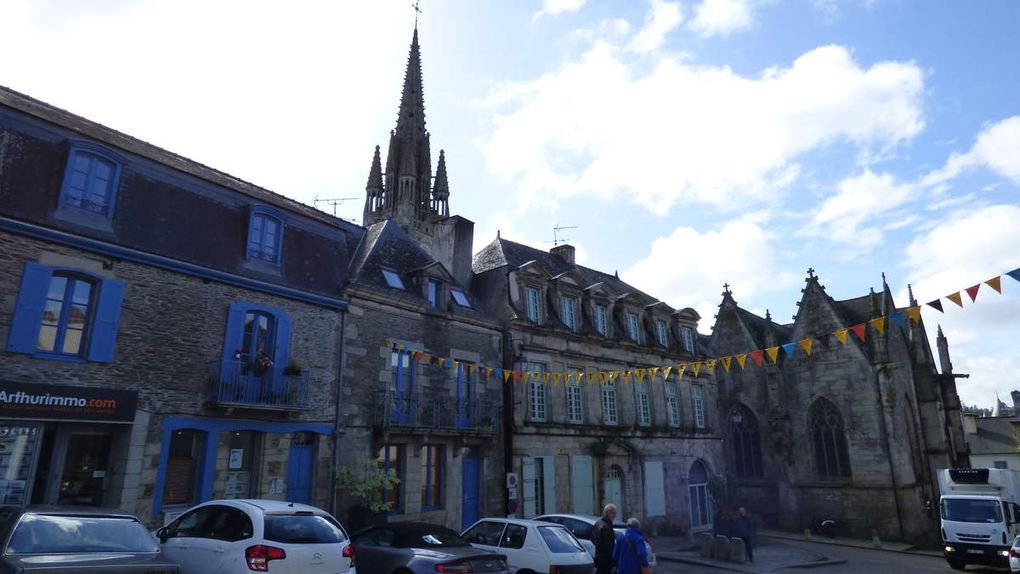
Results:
25 400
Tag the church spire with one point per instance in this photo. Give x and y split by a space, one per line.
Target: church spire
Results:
441 188
411 117
374 198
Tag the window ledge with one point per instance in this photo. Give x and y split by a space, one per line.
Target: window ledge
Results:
83 218
56 357
262 267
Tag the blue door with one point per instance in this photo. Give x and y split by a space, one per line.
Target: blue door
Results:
299 474
471 484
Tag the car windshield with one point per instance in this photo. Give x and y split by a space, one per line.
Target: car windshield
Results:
971 510
303 529
429 537
559 540
49 534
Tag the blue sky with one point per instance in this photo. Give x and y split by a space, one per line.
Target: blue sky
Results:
691 143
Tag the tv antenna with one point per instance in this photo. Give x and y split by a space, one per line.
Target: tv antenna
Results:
556 237
333 201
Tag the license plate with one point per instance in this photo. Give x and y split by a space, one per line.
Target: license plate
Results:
972 551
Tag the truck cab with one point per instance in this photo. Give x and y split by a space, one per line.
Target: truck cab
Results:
980 515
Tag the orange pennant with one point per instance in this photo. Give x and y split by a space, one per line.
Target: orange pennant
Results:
517 377
726 363
773 353
741 359
995 283
878 324
807 344
841 335
915 313
859 331
972 291
956 298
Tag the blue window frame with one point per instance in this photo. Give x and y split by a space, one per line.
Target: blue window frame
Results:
91 179
431 477
265 236
66 314
255 331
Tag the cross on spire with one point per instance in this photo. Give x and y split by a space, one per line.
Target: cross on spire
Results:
726 289
417 11
811 272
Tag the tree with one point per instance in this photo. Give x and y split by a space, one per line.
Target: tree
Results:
367 483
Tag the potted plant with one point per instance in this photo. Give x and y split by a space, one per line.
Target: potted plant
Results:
262 364
366 483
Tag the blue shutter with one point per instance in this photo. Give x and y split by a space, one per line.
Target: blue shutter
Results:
28 311
282 352
234 336
104 325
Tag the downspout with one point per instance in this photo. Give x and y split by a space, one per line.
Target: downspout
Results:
508 405
335 459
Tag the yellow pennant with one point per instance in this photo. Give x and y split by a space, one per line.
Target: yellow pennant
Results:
710 365
640 374
545 377
773 353
567 377
915 313
506 375
741 359
696 367
626 376
557 377
665 372
956 298
995 283
726 363
878 324
652 373
400 347
591 378
526 376
580 377
807 345
488 372
841 335
602 377
680 368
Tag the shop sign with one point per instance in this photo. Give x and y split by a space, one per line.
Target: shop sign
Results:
26 400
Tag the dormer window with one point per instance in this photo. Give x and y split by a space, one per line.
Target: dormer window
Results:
265 237
633 327
568 311
531 302
392 279
601 324
460 298
91 179
687 339
661 333
433 289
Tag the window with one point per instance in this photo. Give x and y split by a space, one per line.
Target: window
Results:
265 237
183 457
531 300
644 408
538 476
391 459
699 406
240 464
745 441
829 438
687 339
255 351
633 327
672 404
65 314
460 298
536 391
403 408
514 536
432 477
91 180
575 404
702 509
601 325
1000 464
609 404
433 293
486 533
392 279
259 331
661 333
568 309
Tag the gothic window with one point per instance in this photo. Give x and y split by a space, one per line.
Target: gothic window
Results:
701 507
829 439
743 431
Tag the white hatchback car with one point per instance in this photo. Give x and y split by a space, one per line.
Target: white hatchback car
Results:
581 525
531 546
1014 556
242 536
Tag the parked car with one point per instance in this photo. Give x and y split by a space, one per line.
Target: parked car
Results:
581 526
241 536
421 548
1014 556
55 539
531 546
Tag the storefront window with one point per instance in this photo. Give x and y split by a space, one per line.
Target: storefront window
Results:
240 463
19 444
182 465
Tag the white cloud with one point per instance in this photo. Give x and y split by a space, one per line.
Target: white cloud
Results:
997 149
551 7
689 268
851 215
603 125
663 17
722 17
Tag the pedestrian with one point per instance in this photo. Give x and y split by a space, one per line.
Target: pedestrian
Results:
604 538
742 528
631 554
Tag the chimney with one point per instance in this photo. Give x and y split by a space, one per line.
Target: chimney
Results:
565 252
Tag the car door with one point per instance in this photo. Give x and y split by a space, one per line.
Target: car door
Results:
184 540
375 551
485 535
231 533
520 555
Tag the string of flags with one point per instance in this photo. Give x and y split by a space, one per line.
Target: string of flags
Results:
758 357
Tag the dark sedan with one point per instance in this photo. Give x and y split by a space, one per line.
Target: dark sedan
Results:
421 548
52 539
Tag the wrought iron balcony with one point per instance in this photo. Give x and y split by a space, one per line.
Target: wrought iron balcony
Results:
240 384
415 411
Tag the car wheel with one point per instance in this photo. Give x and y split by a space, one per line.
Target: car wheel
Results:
956 564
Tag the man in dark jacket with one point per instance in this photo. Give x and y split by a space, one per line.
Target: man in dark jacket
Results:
742 529
604 538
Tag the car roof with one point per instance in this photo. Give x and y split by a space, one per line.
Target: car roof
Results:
268 506
520 521
583 517
67 510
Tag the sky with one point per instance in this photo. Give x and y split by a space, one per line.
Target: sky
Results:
684 144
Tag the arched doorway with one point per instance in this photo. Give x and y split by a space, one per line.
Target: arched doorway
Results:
701 505
613 488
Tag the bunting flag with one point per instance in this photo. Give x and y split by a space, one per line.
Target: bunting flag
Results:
878 324
517 376
557 377
602 377
956 298
626 376
652 373
640 374
995 283
400 348
545 377
488 372
526 377
696 367
506 376
972 291
915 313
591 377
936 304
680 370
454 364
428 358
665 372
773 353
711 365
758 356
726 363
741 360
807 345
418 355
898 318
1015 274
859 330
789 349
841 336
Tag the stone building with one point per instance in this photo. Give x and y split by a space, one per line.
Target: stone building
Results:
417 395
854 432
172 334
994 441
578 437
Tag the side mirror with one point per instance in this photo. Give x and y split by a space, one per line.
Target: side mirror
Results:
162 534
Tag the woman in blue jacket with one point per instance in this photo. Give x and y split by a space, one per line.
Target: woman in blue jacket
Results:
630 553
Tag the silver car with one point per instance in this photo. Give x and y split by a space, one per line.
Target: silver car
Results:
581 525
421 548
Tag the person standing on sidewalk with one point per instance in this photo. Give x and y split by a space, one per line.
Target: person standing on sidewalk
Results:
631 554
604 538
742 529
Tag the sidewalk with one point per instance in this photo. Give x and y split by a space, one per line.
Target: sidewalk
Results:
769 555
853 542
